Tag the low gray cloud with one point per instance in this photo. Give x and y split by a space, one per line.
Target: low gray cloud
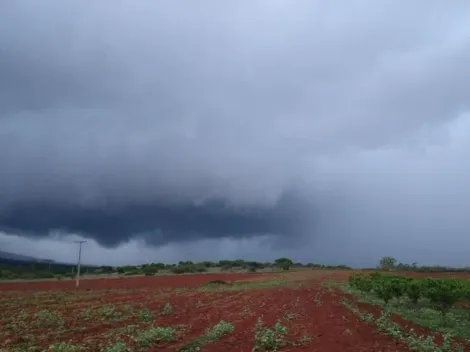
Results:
158 223
314 124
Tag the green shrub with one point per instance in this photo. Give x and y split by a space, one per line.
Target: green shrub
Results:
146 316
361 282
156 335
269 339
398 286
444 293
149 270
414 290
384 290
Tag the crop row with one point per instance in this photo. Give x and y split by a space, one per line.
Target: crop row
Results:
442 293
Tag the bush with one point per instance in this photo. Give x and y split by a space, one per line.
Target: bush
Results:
362 282
398 286
443 293
414 290
384 289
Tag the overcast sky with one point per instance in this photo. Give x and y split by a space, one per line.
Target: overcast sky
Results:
326 131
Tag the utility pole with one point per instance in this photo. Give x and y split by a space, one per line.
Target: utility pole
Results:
79 258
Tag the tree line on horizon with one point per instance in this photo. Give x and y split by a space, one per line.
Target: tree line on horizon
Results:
15 269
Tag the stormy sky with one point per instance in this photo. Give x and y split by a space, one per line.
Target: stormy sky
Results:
327 131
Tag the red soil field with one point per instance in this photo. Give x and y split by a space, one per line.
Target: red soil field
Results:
124 282
312 313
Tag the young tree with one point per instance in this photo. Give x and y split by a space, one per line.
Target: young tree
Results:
387 263
414 290
444 293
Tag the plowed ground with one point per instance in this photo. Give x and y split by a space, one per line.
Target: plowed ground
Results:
102 314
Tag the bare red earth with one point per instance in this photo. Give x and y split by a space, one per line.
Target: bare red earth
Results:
124 282
329 325
314 316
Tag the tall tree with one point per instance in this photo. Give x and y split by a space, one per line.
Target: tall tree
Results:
284 263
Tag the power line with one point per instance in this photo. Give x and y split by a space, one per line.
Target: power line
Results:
79 259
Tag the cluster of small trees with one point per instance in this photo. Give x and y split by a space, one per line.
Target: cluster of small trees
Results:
184 267
442 293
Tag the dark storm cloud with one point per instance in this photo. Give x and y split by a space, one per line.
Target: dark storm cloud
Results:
177 122
158 223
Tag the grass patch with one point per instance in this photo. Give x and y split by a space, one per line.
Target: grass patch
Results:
456 323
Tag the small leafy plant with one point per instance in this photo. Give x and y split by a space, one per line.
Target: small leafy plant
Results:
155 335
269 339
